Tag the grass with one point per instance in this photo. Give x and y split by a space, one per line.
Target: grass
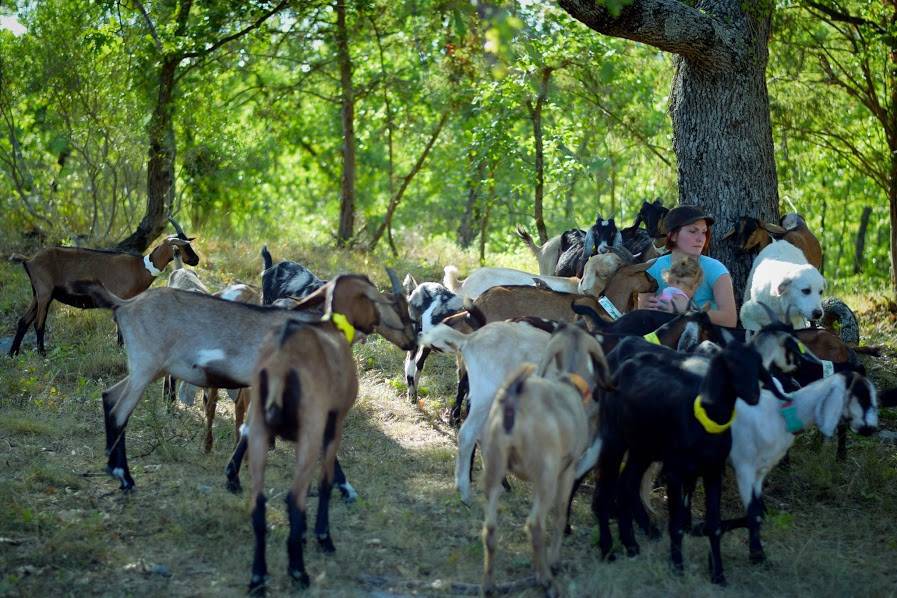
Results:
66 529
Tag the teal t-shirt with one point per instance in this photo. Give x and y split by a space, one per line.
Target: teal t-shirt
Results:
712 268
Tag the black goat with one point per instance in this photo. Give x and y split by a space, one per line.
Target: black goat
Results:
286 279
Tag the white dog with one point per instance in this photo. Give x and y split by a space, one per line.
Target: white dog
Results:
782 279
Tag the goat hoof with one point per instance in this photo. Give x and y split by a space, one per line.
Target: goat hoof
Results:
233 485
568 530
633 550
258 585
300 579
654 534
608 557
757 557
550 590
677 569
719 580
326 544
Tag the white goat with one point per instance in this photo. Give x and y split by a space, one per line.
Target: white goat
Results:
596 274
490 354
782 279
760 435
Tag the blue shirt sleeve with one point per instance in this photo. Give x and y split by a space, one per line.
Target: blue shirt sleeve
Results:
713 269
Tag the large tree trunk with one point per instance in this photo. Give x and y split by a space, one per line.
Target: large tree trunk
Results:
860 245
535 111
347 186
477 168
722 134
160 164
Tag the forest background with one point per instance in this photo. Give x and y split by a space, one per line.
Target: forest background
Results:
378 125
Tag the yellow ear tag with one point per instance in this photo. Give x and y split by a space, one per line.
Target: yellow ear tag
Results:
711 426
652 337
342 323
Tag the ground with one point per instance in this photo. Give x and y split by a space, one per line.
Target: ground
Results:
66 529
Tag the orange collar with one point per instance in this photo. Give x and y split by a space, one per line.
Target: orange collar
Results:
580 383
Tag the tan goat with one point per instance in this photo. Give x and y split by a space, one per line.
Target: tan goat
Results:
304 385
539 425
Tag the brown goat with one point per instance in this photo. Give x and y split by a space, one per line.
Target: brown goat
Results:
54 269
752 235
538 427
304 385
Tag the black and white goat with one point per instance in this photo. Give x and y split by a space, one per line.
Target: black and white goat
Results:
567 253
763 433
661 412
429 303
286 279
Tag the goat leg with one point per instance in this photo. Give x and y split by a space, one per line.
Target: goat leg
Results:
463 391
628 494
675 500
233 466
117 463
713 487
754 519
345 488
841 454
40 324
298 526
322 520
24 322
259 564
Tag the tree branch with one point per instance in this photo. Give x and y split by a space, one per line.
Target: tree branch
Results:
229 38
668 25
149 25
843 17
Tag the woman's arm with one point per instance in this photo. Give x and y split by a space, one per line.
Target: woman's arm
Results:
724 297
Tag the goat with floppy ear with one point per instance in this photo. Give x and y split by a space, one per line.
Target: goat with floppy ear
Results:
52 271
538 426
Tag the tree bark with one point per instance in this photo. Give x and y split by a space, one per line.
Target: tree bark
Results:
860 246
347 100
719 105
535 111
160 163
466 232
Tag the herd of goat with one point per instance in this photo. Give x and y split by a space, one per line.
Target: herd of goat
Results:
561 373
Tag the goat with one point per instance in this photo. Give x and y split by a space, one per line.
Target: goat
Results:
286 279
752 234
596 274
213 342
428 304
537 428
763 433
52 270
566 254
782 279
304 385
490 355
640 241
186 280
661 412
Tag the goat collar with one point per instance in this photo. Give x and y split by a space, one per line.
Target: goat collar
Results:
342 324
652 337
150 266
580 383
793 423
709 425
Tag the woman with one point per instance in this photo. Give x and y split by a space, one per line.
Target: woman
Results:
688 236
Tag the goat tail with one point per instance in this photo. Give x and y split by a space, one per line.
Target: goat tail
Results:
94 289
267 260
511 394
18 258
528 239
450 279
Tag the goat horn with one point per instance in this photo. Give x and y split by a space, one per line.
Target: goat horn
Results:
727 235
394 279
773 316
589 244
177 227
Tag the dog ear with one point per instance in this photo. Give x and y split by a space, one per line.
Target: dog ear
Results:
783 286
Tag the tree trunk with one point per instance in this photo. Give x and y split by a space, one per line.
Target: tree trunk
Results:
860 247
347 185
160 164
466 232
892 203
722 135
536 117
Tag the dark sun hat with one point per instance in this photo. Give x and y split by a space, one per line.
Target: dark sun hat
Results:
682 215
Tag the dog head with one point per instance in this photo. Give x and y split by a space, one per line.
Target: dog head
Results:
801 291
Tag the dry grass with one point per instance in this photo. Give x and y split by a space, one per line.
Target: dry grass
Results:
66 529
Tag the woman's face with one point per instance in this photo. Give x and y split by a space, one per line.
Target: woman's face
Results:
690 238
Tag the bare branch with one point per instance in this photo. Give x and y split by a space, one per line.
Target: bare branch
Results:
149 25
843 17
229 38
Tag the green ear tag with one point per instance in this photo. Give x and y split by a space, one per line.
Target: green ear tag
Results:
792 422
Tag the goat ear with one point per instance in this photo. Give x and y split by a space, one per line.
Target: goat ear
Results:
409 283
602 370
313 300
727 336
773 228
829 410
727 235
